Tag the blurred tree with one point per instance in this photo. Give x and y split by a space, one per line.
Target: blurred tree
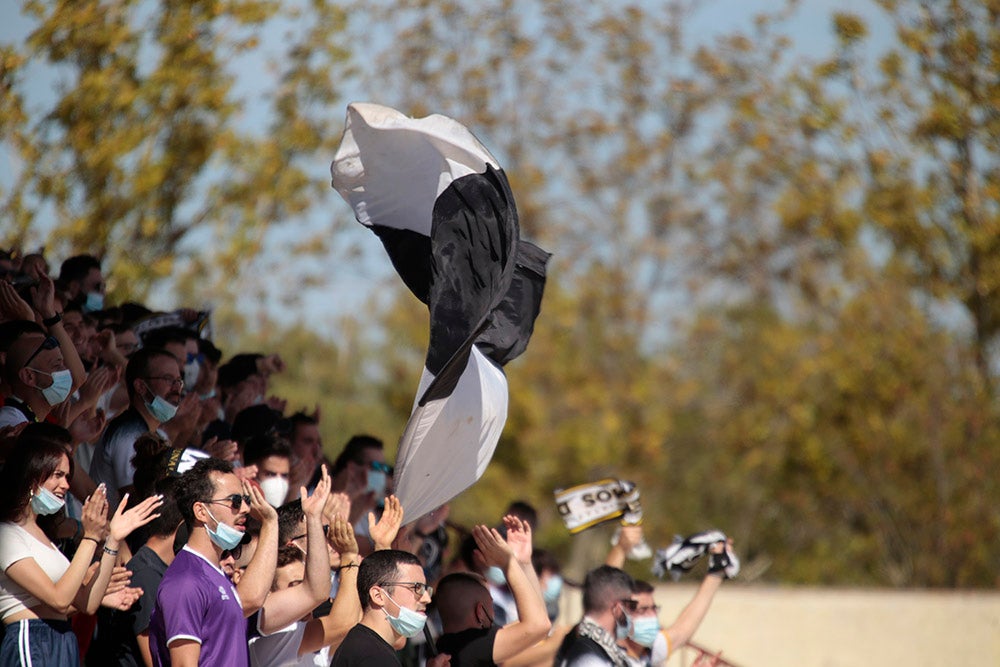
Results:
144 154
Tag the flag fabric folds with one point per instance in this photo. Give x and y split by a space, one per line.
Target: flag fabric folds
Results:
443 209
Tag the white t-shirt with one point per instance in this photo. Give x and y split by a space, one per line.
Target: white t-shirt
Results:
281 649
17 544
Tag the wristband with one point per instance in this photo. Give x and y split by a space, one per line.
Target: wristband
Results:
344 567
92 539
52 321
111 552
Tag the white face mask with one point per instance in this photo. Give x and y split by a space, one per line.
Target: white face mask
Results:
275 490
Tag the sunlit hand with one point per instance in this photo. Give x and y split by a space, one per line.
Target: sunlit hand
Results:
492 550
312 506
125 521
94 515
224 450
383 532
519 538
246 472
338 505
260 509
122 599
342 539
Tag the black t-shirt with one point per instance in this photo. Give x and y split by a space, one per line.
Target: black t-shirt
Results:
115 643
363 647
469 648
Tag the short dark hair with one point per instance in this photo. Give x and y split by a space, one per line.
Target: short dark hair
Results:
257 419
642 586
259 447
32 461
543 559
524 511
170 514
352 451
138 365
150 462
289 554
290 515
380 567
210 351
77 267
163 336
12 330
603 587
196 486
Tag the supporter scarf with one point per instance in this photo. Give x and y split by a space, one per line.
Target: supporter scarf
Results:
587 505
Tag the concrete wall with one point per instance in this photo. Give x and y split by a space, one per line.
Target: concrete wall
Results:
758 626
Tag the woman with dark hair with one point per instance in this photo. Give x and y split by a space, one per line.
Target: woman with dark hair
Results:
39 587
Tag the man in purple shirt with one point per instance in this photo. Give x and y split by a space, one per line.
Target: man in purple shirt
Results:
199 617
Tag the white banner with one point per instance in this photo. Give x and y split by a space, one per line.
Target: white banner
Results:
587 505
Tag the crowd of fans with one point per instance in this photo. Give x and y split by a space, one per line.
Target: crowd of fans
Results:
160 507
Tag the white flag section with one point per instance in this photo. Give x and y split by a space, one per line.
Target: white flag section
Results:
444 212
458 436
587 505
391 168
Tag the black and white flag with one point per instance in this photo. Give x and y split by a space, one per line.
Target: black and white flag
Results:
442 207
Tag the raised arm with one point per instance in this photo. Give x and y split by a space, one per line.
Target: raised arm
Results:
60 595
383 532
682 629
513 555
331 629
256 582
290 604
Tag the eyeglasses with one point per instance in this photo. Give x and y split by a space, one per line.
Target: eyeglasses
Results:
235 552
629 604
235 501
50 343
418 588
645 610
382 467
174 382
326 531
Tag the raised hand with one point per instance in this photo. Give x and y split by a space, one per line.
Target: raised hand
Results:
224 450
99 381
94 516
341 537
338 505
315 504
519 538
246 472
88 426
492 549
260 509
12 306
125 521
43 297
383 532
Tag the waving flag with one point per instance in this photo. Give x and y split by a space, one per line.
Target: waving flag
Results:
443 209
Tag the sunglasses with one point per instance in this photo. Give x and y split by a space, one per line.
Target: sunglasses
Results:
235 552
235 501
382 467
49 343
417 587
326 531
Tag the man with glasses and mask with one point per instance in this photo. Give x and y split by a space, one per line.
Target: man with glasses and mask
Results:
154 384
393 597
199 617
607 604
40 370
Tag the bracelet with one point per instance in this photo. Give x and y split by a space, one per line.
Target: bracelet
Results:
111 552
344 567
52 321
92 539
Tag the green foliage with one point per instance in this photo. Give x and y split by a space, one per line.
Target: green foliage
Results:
143 155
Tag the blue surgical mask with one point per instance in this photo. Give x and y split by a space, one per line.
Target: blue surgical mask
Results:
495 575
58 391
94 302
206 396
623 630
376 482
409 623
644 630
161 409
224 535
553 587
44 502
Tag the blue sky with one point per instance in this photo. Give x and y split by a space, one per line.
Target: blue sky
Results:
349 291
